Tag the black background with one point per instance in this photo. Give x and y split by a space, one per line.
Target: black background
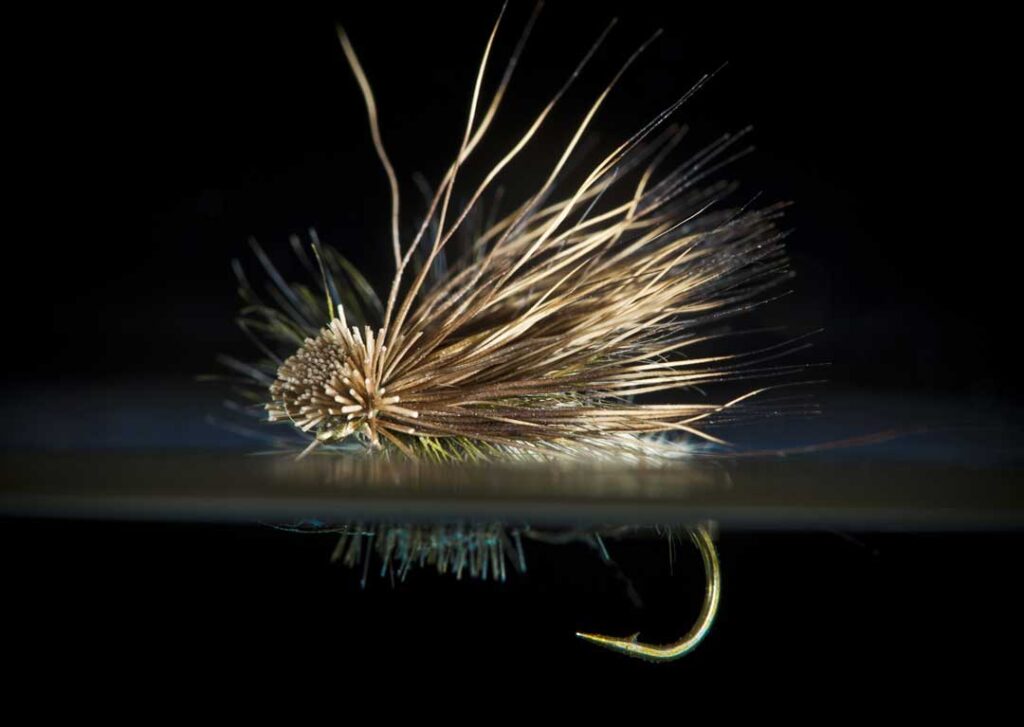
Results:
158 143
151 144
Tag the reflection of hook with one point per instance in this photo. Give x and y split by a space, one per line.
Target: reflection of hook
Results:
713 577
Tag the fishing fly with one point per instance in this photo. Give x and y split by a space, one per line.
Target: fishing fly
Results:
550 334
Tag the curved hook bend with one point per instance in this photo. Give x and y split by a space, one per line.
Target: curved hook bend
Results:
630 646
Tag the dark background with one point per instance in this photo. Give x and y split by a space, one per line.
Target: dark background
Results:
159 142
151 144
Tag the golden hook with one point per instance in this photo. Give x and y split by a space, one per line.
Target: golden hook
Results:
701 537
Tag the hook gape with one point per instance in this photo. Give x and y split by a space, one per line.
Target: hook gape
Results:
630 646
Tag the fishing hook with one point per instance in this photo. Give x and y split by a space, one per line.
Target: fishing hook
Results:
631 646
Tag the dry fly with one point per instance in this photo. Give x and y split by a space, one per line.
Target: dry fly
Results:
547 335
